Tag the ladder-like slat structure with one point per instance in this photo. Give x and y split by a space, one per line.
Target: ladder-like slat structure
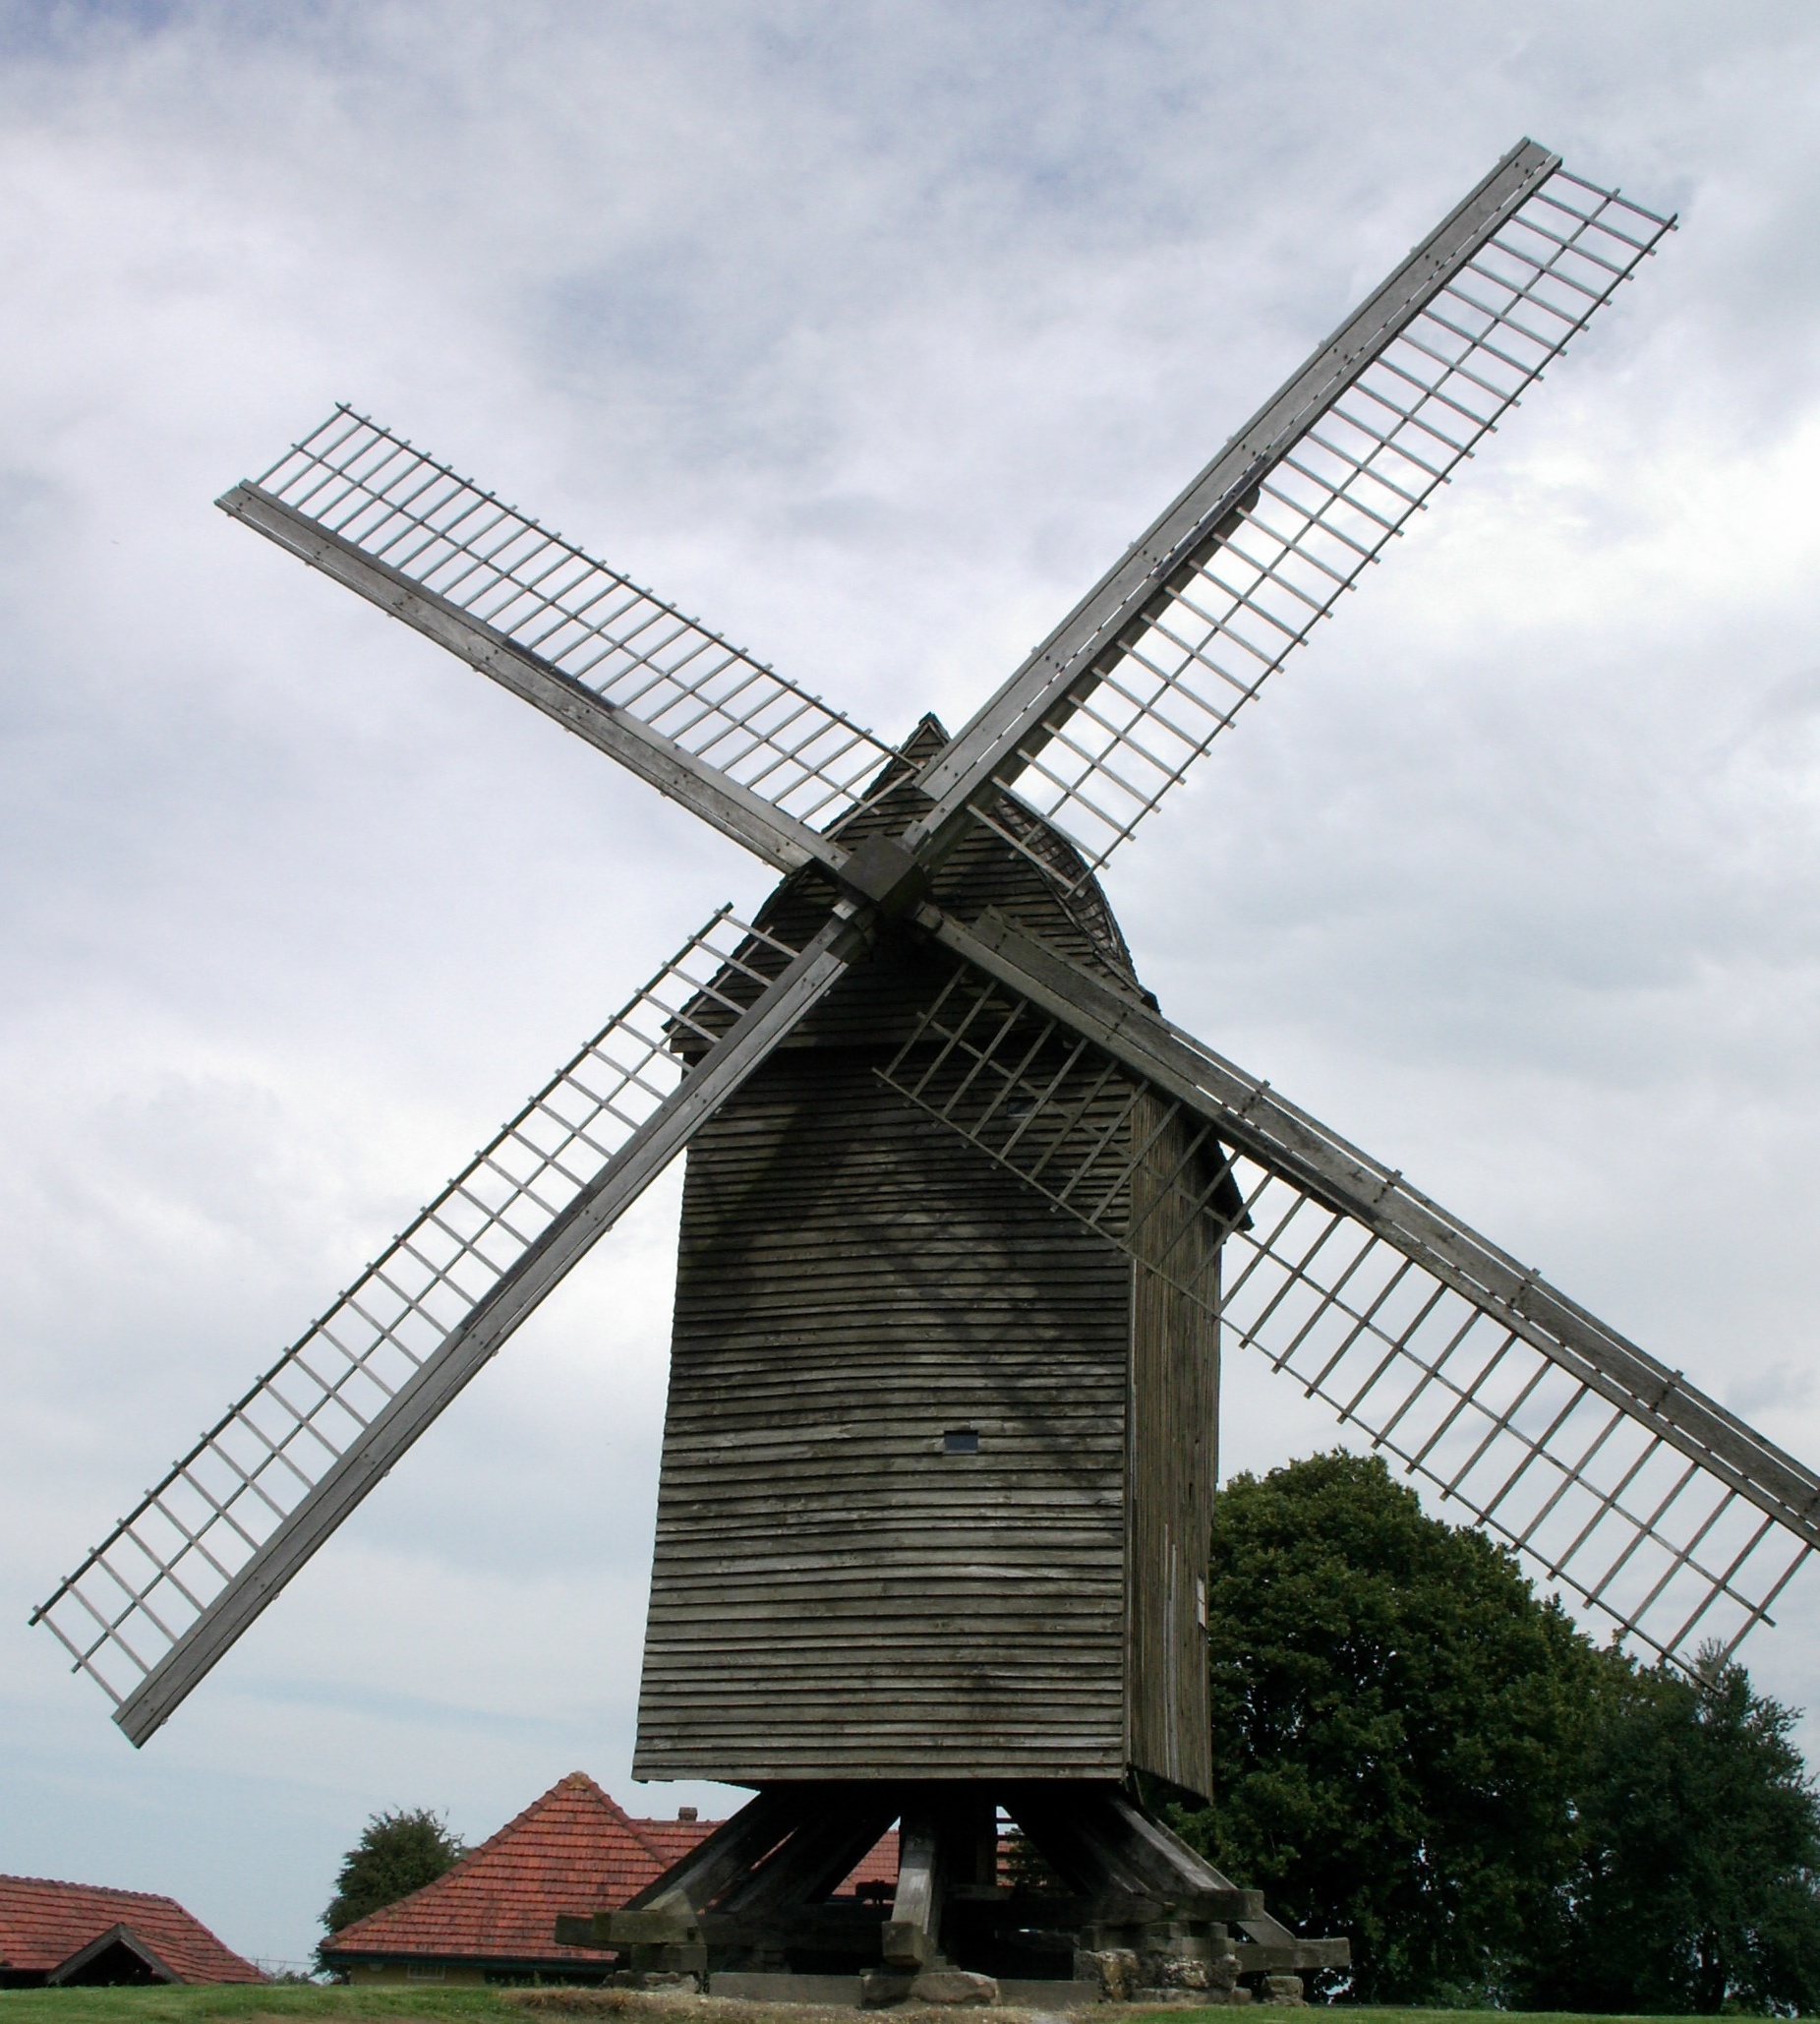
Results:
1603 1476
243 1508
403 510
1297 508
1629 1488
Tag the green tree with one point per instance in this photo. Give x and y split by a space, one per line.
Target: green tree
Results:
1398 1724
1696 1886
397 1853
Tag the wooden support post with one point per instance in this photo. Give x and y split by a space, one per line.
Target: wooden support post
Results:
969 1838
911 1937
1067 1825
1130 1870
817 1854
665 1912
947 1846
1165 1862
1145 1909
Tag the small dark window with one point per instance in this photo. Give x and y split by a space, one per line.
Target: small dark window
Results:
960 1441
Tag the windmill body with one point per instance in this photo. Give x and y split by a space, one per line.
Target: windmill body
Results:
938 1462
967 1223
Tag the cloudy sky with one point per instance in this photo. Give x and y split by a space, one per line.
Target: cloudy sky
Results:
871 333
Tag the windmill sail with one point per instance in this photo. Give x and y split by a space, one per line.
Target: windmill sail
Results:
177 1582
1619 1479
391 521
1630 1487
1111 710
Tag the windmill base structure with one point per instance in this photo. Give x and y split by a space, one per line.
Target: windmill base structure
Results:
967 1222
1132 1912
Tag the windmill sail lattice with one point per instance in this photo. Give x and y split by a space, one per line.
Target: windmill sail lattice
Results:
954 883
1160 658
398 506
1622 1482
182 1576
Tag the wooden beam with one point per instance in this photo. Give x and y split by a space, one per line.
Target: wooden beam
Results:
666 1911
1059 674
734 811
838 1831
747 1041
1303 1153
911 1936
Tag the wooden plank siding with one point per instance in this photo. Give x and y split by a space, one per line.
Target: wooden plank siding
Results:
833 1595
1174 1441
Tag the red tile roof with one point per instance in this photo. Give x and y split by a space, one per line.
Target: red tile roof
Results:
44 1923
880 1867
670 1841
573 1850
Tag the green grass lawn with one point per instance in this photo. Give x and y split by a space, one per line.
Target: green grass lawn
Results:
168 2006
492 2006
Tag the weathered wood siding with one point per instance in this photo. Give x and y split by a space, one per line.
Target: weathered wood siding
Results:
834 1595
1174 1462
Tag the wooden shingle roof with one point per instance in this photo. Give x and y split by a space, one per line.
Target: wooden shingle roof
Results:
44 1923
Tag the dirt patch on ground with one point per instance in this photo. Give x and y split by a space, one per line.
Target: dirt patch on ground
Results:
657 2006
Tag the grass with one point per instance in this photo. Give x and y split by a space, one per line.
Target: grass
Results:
167 2006
233 2000
172 2005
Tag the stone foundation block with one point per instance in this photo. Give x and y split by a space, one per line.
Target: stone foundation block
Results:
953 1986
1114 1968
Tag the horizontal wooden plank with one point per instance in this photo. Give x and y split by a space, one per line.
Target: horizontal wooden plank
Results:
833 1594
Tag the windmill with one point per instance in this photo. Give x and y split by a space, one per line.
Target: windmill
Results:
966 1218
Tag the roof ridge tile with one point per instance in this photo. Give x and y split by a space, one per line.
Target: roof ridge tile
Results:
157 1898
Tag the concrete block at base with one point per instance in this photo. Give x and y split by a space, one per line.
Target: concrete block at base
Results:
953 1986
1049 1995
842 1991
1280 1989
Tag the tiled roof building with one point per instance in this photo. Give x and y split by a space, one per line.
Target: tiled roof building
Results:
79 1934
493 1917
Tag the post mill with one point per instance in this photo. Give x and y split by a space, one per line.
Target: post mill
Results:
966 1222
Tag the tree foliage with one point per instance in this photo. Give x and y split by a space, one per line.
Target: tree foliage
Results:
1695 1885
1394 1718
1412 1748
397 1853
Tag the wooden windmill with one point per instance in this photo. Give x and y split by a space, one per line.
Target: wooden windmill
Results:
966 1220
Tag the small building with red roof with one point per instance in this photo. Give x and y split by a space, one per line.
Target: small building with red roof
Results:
493 1917
81 1936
